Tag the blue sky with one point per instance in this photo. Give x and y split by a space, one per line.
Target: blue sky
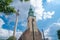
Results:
47 14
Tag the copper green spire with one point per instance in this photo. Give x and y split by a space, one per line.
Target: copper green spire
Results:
31 12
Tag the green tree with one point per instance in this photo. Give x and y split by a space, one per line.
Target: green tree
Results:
11 38
5 7
58 33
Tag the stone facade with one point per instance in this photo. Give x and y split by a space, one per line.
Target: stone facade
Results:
28 35
30 25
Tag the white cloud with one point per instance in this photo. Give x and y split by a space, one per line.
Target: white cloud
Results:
57 24
46 31
23 10
40 11
48 1
53 1
4 33
1 22
51 31
48 15
24 24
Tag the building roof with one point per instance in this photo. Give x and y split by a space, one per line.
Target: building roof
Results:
31 12
27 35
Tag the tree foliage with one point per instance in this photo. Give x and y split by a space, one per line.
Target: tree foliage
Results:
4 6
12 38
58 32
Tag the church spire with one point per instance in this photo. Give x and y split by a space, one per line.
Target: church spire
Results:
31 12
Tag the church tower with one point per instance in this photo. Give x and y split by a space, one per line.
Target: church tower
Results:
32 33
32 20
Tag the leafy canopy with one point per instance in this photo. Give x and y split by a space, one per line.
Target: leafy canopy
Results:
58 32
12 38
4 6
